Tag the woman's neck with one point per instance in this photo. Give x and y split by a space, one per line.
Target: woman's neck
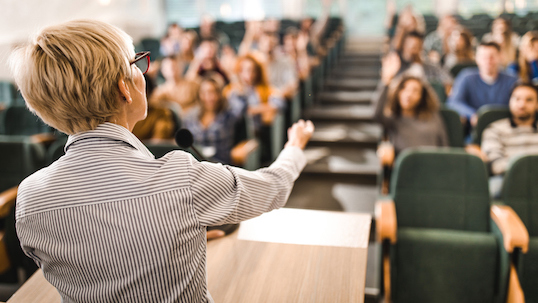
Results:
409 113
208 117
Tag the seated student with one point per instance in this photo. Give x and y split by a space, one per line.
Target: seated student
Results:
436 44
280 68
177 93
460 49
252 97
252 94
407 21
212 123
526 67
208 30
206 63
411 61
502 34
510 137
189 40
475 87
295 46
171 43
409 114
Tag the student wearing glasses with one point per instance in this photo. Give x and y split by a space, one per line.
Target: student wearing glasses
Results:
107 222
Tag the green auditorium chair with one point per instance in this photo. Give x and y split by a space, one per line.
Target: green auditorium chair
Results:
19 157
440 90
453 126
521 193
456 69
56 149
278 129
441 239
488 114
18 120
6 94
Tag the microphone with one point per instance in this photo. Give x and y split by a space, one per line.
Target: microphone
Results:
185 140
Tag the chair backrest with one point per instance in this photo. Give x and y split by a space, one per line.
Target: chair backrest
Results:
456 69
520 191
56 149
453 126
440 90
441 188
19 158
18 120
486 115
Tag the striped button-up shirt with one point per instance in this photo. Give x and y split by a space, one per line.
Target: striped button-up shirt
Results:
108 222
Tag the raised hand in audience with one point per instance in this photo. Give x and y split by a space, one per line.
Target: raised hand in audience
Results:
390 65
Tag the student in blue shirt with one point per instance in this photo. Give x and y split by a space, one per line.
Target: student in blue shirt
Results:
474 87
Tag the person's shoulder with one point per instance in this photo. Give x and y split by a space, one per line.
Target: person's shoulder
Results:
501 125
505 76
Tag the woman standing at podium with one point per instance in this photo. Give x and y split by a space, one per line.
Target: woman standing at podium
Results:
108 222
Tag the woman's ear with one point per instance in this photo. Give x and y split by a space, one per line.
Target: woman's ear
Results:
125 94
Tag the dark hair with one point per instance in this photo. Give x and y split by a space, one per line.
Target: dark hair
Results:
414 34
292 30
428 105
491 44
525 84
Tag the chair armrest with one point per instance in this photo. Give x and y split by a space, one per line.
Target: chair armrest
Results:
512 228
241 151
385 221
4 257
43 138
7 201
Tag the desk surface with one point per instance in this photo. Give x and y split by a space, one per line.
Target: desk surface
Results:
288 255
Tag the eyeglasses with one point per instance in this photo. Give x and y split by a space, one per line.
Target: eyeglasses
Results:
142 61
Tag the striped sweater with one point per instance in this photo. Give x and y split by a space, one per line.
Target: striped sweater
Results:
503 140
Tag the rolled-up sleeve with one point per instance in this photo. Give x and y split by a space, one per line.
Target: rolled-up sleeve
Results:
225 194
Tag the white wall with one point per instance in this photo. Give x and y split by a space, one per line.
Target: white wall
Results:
20 19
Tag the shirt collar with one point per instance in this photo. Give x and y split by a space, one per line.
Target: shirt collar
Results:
111 131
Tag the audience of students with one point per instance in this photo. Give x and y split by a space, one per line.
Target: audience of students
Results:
254 82
475 87
507 138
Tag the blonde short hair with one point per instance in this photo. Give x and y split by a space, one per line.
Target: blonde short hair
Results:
68 75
